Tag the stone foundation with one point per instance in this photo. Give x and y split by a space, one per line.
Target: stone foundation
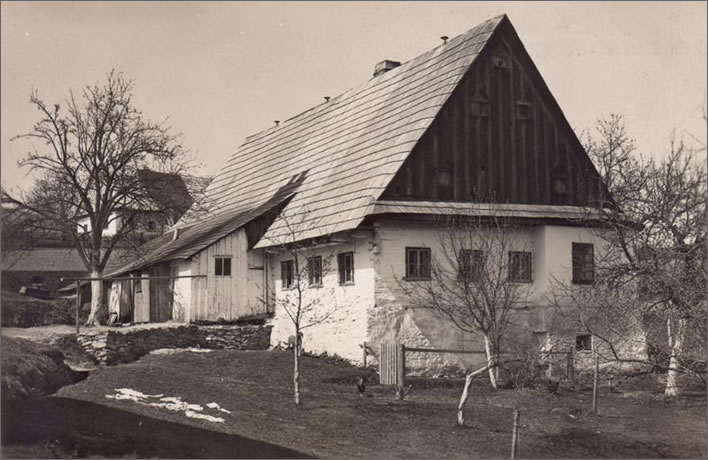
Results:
127 344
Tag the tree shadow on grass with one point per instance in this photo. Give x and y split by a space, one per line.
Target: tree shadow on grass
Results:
88 429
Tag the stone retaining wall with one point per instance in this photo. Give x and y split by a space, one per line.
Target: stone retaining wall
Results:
124 345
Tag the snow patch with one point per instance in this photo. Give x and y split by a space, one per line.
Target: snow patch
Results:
213 405
171 351
171 403
210 418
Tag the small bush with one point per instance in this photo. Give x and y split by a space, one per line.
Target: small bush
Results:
331 358
23 311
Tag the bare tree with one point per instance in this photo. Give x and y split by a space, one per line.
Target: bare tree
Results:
480 275
655 267
303 266
90 154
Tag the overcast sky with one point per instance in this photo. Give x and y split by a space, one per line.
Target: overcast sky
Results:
225 70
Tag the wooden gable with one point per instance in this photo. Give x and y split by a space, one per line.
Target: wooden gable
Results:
500 137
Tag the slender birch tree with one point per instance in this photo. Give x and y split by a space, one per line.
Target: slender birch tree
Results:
655 268
304 298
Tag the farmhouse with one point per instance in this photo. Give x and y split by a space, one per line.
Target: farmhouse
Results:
468 128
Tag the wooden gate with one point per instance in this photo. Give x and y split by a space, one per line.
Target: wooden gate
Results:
391 364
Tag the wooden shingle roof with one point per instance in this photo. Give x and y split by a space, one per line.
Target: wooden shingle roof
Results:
350 146
198 236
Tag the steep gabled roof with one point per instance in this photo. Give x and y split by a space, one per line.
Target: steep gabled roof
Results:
352 145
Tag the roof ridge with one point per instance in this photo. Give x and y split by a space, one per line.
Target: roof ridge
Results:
353 144
389 73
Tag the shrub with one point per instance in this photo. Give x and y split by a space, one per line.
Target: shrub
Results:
23 311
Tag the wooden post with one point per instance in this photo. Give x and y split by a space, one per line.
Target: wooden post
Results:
363 354
594 384
78 305
571 364
401 370
515 435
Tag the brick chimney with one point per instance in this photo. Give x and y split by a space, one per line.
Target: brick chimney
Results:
385 66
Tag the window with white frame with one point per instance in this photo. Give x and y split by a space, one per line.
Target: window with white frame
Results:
314 271
345 263
222 266
471 265
520 267
287 274
417 263
583 263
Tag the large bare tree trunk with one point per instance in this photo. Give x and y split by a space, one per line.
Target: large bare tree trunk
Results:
96 299
296 369
491 361
675 335
465 394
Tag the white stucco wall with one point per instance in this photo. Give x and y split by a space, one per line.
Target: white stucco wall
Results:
346 328
393 319
109 230
556 244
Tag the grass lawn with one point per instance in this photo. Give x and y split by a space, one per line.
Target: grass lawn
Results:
333 421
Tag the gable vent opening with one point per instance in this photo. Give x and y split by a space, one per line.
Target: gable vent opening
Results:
385 66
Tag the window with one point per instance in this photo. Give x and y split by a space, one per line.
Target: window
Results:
520 267
471 265
138 284
418 263
314 271
287 271
523 110
583 342
583 264
222 266
345 261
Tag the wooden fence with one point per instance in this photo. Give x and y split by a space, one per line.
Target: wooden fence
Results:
561 364
392 362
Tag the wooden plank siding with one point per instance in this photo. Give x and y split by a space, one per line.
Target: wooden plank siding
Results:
160 293
142 301
518 149
228 297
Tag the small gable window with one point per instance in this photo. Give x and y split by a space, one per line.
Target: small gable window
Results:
345 261
222 266
479 105
583 263
520 267
501 59
287 274
314 271
523 110
417 263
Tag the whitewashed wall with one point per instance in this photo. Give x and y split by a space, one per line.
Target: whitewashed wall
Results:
346 328
110 229
393 318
